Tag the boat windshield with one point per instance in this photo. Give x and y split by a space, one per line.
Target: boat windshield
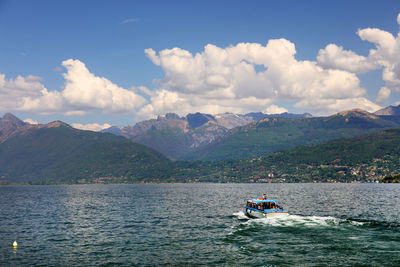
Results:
262 205
269 205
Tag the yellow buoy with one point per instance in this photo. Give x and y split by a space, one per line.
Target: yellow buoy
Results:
15 244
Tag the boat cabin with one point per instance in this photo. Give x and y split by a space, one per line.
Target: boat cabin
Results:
262 204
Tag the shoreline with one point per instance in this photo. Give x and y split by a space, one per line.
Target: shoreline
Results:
182 183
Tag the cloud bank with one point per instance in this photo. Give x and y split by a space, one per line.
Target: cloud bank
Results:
239 78
83 93
229 77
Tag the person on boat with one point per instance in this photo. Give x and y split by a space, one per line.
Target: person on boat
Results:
264 196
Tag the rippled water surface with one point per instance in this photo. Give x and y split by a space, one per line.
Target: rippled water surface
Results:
199 224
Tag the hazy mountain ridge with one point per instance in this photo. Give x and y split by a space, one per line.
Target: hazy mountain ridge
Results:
259 115
176 136
10 126
173 135
390 110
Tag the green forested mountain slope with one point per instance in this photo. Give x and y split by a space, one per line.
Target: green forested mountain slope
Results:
276 134
362 158
57 153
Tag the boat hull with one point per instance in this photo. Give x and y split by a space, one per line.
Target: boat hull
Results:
253 213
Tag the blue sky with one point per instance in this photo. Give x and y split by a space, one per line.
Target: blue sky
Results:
107 40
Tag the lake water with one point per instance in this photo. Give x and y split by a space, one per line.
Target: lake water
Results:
199 224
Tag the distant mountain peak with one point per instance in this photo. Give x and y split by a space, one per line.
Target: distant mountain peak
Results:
355 110
113 129
358 113
56 124
389 111
8 117
9 124
198 119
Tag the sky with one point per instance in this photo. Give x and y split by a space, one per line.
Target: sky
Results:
93 64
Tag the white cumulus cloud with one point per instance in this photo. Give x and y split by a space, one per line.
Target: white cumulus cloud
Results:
230 77
274 109
383 95
91 126
83 93
335 57
163 101
30 121
27 94
385 55
330 106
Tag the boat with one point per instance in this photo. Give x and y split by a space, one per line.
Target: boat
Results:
263 208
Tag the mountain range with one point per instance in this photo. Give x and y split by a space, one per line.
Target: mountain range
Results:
231 136
269 135
176 136
57 153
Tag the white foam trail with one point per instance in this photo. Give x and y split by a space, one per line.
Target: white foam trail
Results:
298 220
356 223
240 215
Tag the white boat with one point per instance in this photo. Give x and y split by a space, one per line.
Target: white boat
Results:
263 208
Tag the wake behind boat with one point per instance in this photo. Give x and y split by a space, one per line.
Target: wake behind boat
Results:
263 208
